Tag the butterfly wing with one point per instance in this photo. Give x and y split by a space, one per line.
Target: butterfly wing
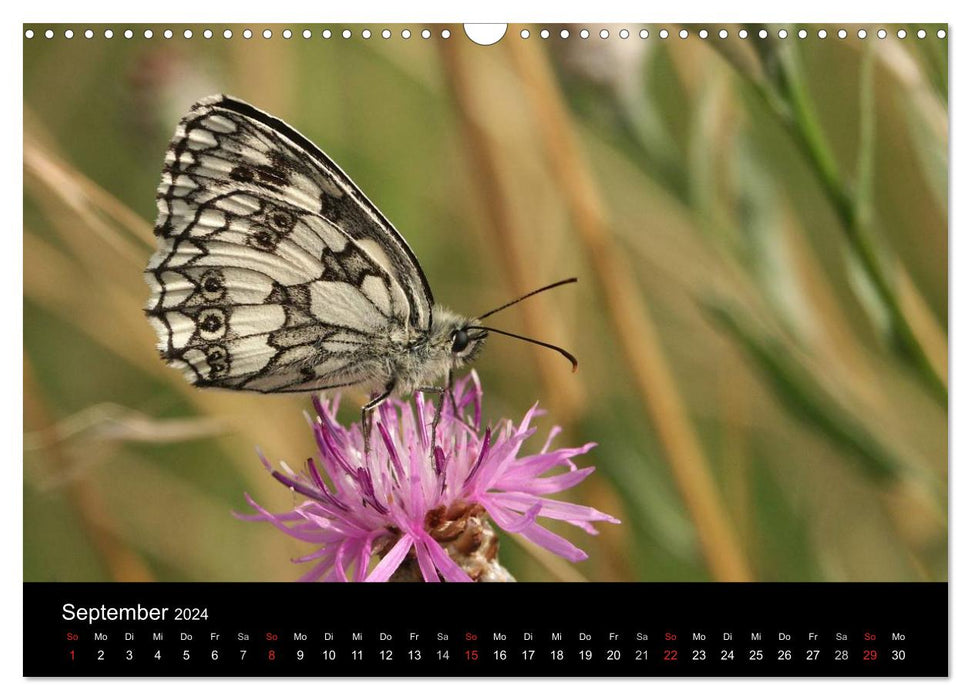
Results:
273 271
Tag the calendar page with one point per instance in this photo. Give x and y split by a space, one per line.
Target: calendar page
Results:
646 322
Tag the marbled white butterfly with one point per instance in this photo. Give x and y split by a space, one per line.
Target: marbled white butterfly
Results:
274 273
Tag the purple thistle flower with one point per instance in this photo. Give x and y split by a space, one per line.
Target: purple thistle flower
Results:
426 518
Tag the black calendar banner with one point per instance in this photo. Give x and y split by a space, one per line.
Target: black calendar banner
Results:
648 629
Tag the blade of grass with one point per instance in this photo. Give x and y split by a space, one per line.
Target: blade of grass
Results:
797 388
787 97
926 116
115 423
866 154
73 186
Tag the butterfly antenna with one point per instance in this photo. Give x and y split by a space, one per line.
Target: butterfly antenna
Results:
527 296
567 355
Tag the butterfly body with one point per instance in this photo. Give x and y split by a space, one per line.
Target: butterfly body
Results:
274 273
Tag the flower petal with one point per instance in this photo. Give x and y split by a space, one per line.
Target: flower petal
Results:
317 571
559 510
279 522
451 571
391 561
538 534
546 484
342 551
363 558
425 563
535 465
511 521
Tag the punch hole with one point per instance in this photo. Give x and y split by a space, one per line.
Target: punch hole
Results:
247 34
267 34
29 34
941 34
644 34
921 34
763 34
167 34
109 33
485 34
426 34
287 34
405 33
564 33
187 33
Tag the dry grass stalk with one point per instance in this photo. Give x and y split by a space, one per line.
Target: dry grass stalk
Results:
122 562
632 320
487 156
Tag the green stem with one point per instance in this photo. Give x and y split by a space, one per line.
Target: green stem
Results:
790 102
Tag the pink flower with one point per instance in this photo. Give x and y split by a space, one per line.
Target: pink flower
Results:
425 517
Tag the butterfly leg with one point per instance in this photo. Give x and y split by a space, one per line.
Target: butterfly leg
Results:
367 417
438 411
440 405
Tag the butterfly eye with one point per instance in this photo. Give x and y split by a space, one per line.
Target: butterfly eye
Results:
460 341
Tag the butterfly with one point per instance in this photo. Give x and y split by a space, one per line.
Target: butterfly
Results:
274 273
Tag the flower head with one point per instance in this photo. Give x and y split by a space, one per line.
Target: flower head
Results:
422 513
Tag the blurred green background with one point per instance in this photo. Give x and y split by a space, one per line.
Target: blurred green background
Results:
759 227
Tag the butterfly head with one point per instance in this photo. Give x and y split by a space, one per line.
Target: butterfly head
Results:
455 340
455 337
